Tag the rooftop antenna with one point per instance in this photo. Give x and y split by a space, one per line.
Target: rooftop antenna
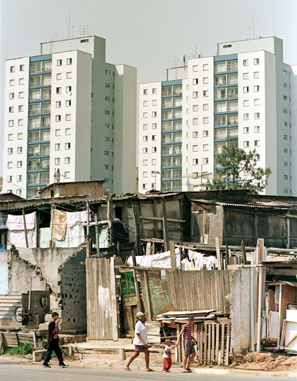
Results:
53 37
253 27
174 61
72 31
83 31
69 28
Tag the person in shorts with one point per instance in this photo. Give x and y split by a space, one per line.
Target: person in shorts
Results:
188 343
140 342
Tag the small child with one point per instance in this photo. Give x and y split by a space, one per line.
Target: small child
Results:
167 360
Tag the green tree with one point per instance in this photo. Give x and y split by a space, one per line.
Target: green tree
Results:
237 169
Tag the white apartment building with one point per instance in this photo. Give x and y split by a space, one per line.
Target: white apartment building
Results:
68 110
241 96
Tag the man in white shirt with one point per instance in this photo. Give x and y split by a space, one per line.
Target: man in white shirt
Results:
140 341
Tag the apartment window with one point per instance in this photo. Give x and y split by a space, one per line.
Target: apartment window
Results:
11 96
195 121
145 115
205 93
107 112
246 144
205 80
58 132
205 147
145 150
10 137
285 98
285 72
57 161
68 89
66 174
21 81
106 166
107 72
20 136
256 88
12 69
246 130
68 117
154 114
10 151
19 164
256 61
285 111
286 124
195 81
11 82
195 175
154 137
285 150
145 91
107 125
245 62
245 75
145 103
67 160
68 103
195 134
285 163
144 174
69 75
154 90
286 177
195 108
195 148
10 123
19 192
154 149
256 74
20 122
246 89
285 85
285 137
20 150
205 67
57 145
205 133
58 104
246 116
145 126
11 109
67 131
21 108
195 67
144 186
145 162
9 165
245 103
154 125
69 61
19 178
205 120
106 153
195 94
107 85
21 95
58 90
257 143
205 160
256 115
154 102
22 67
154 161
256 102
59 62
205 107
58 118
107 138
195 161
145 138
67 145
59 76
256 129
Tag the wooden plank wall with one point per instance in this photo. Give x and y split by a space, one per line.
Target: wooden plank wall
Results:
101 299
198 290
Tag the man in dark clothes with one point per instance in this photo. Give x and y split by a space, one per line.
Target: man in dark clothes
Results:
53 342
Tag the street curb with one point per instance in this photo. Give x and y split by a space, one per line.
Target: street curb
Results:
241 371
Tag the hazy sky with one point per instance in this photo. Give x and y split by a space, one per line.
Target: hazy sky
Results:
151 35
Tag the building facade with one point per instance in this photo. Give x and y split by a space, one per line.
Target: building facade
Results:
240 97
69 111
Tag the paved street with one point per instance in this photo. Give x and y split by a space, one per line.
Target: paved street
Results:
37 372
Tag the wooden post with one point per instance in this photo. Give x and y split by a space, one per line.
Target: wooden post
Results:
172 255
260 248
97 232
137 291
30 292
243 253
227 256
110 219
149 312
25 227
165 227
219 256
51 225
88 219
135 208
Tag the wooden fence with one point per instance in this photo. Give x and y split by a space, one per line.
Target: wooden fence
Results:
102 316
198 290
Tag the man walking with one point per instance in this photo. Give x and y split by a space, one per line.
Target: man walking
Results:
188 341
53 342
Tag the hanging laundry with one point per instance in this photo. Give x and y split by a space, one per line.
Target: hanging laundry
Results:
75 232
17 222
59 224
16 235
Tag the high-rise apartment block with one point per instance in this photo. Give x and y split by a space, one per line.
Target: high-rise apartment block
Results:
241 97
67 109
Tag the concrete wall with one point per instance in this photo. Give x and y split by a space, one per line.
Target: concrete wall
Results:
240 310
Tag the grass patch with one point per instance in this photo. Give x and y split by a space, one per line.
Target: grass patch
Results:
21 349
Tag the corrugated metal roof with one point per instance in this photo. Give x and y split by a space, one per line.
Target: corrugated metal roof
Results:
253 205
